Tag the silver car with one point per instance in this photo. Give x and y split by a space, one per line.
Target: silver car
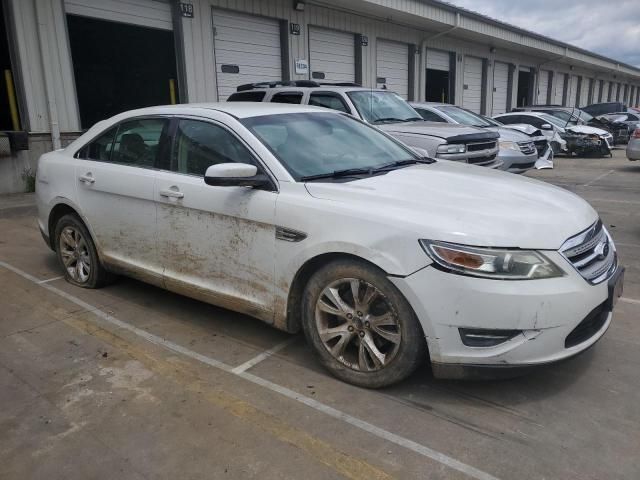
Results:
517 152
633 147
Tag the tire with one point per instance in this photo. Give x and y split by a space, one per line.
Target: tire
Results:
77 254
374 342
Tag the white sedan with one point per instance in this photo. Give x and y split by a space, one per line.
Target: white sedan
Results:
309 219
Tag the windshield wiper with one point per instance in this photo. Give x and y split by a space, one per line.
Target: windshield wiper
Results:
402 163
338 173
367 171
393 119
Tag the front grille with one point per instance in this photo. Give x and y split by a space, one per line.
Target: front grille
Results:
527 147
592 253
588 327
476 147
481 160
541 147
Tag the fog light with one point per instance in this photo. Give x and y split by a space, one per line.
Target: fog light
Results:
476 337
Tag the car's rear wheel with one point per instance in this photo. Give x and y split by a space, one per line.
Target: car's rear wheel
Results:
363 329
77 254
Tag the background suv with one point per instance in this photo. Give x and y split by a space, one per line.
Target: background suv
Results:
386 110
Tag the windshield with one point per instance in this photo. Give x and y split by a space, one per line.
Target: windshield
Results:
584 115
553 120
309 144
383 107
465 117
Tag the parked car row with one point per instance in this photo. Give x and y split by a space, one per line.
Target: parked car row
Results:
459 135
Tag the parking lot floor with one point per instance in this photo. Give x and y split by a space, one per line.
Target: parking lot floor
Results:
131 381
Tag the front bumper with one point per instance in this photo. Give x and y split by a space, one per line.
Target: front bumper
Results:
516 162
546 311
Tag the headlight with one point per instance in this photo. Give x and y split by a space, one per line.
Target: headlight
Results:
453 148
509 146
491 262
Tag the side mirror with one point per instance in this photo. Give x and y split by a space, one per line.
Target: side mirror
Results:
235 175
546 126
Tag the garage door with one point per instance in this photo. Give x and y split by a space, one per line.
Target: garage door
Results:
584 92
332 55
500 87
148 13
246 50
573 90
472 89
392 66
438 60
543 87
559 90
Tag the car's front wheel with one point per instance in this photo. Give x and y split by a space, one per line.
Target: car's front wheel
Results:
77 254
362 327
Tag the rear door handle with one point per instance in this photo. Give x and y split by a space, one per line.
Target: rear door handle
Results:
171 194
87 178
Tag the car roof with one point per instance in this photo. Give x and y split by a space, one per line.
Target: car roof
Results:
320 88
235 109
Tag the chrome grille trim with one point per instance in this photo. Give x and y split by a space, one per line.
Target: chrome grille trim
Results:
592 253
527 147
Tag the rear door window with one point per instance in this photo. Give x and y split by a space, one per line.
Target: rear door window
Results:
139 142
328 100
246 97
287 97
100 148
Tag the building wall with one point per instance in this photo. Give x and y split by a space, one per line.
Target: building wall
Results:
45 79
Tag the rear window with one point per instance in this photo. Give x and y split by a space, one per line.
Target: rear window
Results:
246 97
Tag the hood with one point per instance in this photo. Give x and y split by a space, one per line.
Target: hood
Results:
586 129
453 202
524 128
446 131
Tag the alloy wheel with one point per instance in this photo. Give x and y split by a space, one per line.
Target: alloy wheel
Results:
75 254
358 325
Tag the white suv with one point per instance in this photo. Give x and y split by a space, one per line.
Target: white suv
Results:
310 219
386 110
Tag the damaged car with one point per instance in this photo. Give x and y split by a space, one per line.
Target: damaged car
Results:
580 140
311 220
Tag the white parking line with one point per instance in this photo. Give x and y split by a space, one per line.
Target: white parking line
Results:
310 402
599 177
263 356
50 280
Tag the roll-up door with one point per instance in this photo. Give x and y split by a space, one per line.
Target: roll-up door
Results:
392 66
438 60
573 91
246 50
559 91
605 92
472 89
146 13
543 87
500 87
584 92
331 55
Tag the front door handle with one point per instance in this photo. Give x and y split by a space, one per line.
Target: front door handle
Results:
171 194
88 178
